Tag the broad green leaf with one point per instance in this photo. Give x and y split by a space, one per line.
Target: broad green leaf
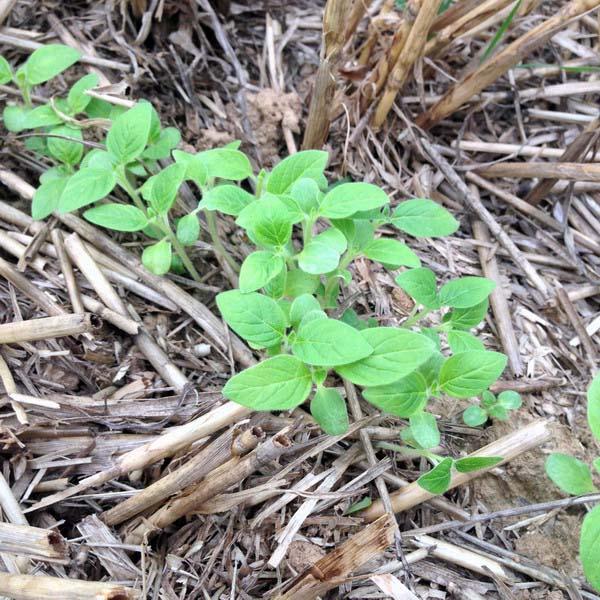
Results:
157 258
276 287
256 318
593 407
64 150
358 506
498 412
476 463
188 229
6 73
18 118
350 317
195 169
15 117
278 383
298 282
322 253
424 430
58 172
48 61
420 285
98 109
466 292
225 163
433 335
462 341
488 399
358 233
306 195
154 132
329 410
391 252
168 139
77 98
267 222
228 199
431 368
467 318
424 218
467 374
47 196
85 187
402 398
301 306
120 217
98 159
313 315
327 342
396 353
346 199
163 187
570 474
510 400
437 481
306 164
589 547
258 269
474 416
129 133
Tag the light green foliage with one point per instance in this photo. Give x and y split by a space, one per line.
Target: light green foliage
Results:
6 73
329 410
128 135
424 218
120 217
589 547
467 374
570 474
437 481
492 406
47 62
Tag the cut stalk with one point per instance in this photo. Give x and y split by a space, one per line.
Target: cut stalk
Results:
47 327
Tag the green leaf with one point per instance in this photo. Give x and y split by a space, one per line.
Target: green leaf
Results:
129 133
98 109
327 342
329 410
85 187
476 463
169 138
255 317
593 407
278 383
66 151
596 464
306 194
18 118
58 172
466 292
396 353
467 374
437 481
157 258
424 430
402 398
47 196
474 416
228 199
301 306
225 163
306 164
195 170
424 218
462 341
570 474
391 252
48 61
258 269
322 254
488 399
589 547
120 217
467 318
298 283
188 229
509 400
358 506
77 98
267 222
15 117
276 287
163 187
98 159
346 199
498 412
420 285
6 73
313 315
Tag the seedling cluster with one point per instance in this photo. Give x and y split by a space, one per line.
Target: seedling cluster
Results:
307 235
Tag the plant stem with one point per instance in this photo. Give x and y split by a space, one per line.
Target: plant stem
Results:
416 318
124 183
179 249
218 247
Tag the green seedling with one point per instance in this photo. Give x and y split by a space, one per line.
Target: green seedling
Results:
574 477
492 407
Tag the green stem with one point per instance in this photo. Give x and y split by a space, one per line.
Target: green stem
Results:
179 249
131 191
218 247
416 318
307 227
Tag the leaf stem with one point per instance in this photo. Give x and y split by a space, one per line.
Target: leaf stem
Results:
179 249
131 191
416 317
218 247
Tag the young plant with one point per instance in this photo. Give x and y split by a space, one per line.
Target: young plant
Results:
574 477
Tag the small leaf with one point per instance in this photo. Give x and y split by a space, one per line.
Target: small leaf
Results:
258 269
64 150
346 199
278 383
402 398
467 374
15 117
327 342
322 254
228 199
188 229
129 133
168 139
6 73
225 163
424 430
510 400
391 252
270 225
467 318
498 412
420 285
466 292
593 407
47 196
437 481
358 506
570 474
18 118
329 410
589 547
85 187
306 164
474 416
98 159
195 170
163 187
48 61
98 109
157 258
120 217
306 194
301 306
476 463
424 218
462 341
77 98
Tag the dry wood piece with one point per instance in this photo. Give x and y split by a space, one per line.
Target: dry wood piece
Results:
48 327
333 569
495 67
40 544
67 270
508 447
41 587
558 170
